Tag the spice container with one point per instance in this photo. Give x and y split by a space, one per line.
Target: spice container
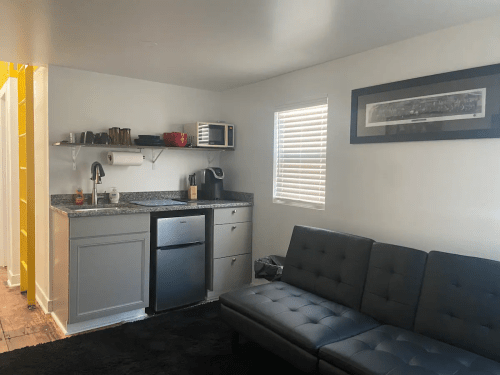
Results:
79 199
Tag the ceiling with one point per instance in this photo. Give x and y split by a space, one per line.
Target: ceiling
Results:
215 44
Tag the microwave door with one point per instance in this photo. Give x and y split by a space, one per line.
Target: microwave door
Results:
217 135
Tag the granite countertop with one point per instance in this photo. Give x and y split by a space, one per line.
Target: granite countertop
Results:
124 208
64 203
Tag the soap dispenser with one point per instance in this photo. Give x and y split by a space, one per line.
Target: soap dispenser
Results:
114 195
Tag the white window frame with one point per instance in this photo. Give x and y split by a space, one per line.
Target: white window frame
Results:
313 203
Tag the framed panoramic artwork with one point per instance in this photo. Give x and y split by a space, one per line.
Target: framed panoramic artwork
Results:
456 105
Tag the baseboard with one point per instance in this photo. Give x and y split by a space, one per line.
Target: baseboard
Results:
130 316
43 300
256 282
58 322
213 295
14 280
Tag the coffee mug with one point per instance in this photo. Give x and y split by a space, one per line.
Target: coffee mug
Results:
87 137
101 139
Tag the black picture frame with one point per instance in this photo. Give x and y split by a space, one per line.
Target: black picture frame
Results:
468 100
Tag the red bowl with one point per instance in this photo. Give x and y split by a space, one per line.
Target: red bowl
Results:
175 139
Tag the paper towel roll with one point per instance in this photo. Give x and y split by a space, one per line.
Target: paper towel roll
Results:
125 158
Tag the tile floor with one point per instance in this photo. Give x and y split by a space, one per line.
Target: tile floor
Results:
19 326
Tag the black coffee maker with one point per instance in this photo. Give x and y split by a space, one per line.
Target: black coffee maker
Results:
213 187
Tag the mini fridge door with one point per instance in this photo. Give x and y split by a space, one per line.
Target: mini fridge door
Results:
180 276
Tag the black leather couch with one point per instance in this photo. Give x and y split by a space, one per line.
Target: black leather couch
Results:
349 305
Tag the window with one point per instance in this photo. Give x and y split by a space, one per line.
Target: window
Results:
300 155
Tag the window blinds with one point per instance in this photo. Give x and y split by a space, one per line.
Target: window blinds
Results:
300 156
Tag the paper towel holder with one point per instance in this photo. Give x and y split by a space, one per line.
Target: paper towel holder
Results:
109 157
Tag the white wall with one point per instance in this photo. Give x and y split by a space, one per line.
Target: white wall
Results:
42 198
441 195
81 100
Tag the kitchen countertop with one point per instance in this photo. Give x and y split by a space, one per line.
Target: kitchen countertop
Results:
124 208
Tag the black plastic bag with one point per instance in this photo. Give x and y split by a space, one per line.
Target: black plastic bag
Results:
269 268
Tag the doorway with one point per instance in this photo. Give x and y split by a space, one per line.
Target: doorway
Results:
19 326
9 179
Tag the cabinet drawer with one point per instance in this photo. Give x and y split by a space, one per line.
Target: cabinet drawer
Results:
232 239
232 272
93 226
232 215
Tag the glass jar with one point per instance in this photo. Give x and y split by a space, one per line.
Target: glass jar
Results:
125 137
114 135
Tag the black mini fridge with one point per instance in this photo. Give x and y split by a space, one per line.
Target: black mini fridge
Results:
177 262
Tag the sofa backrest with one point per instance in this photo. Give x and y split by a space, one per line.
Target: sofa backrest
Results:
393 284
460 303
329 264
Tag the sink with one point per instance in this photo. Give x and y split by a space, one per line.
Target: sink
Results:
96 209
103 207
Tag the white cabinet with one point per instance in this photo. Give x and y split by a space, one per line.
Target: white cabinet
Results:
230 265
232 272
232 239
101 266
232 215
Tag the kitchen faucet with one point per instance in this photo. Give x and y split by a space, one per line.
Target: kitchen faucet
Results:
97 173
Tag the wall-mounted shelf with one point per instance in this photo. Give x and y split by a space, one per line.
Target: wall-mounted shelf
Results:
75 149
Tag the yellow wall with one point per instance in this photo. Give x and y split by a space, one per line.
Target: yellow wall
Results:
4 73
6 70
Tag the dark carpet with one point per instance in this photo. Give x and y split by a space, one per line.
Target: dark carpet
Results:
189 341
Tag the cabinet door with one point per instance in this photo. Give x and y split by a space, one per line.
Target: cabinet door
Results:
232 272
108 275
232 239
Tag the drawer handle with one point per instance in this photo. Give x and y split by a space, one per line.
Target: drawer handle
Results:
234 259
234 211
234 227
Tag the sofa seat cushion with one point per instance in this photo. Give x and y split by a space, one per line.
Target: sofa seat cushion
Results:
395 351
303 318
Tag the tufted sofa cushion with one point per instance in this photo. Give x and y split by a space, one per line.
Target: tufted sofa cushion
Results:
329 264
393 284
460 303
302 318
394 351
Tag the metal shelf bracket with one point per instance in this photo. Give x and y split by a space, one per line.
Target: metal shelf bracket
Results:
153 158
74 155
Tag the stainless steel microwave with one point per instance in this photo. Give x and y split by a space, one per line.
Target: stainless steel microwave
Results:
210 134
